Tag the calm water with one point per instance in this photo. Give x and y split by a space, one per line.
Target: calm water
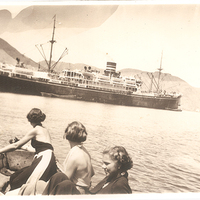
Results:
164 145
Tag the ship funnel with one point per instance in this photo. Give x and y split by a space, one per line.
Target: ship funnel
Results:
111 67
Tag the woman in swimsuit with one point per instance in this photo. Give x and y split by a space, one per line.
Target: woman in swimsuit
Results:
44 163
78 170
116 163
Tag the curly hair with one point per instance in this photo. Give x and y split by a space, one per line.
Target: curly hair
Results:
36 116
75 132
120 154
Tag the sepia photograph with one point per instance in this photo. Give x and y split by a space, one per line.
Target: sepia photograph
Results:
100 99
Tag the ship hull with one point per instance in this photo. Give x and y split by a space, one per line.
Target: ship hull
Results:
33 87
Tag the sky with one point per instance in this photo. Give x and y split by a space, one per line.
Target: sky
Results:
134 36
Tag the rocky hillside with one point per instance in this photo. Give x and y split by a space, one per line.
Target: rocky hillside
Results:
190 96
190 100
9 55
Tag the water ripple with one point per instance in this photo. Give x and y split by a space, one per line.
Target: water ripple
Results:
164 145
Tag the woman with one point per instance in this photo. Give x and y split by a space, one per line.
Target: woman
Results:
78 170
43 165
116 162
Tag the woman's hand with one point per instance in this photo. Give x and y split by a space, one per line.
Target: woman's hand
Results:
16 145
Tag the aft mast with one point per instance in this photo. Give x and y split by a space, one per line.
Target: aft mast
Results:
159 73
154 82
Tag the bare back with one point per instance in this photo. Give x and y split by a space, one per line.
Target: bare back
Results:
80 160
42 134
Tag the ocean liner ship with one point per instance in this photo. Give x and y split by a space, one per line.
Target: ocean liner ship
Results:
87 85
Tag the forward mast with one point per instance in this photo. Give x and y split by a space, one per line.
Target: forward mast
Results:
52 41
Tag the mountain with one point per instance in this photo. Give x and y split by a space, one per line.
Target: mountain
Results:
9 55
190 100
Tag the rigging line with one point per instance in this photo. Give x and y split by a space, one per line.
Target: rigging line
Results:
60 45
30 49
142 81
159 71
151 83
144 84
65 49
154 81
31 45
40 32
157 84
163 77
54 65
43 43
42 54
63 54
39 50
160 85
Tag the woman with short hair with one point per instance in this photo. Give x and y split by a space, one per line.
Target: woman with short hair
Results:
78 170
44 163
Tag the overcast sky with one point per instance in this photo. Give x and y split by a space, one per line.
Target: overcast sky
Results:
134 36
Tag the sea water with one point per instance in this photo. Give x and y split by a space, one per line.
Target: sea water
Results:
164 145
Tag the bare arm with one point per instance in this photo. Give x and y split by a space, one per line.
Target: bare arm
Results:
20 143
70 167
28 147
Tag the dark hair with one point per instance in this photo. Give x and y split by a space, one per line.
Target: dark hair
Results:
75 132
120 154
36 116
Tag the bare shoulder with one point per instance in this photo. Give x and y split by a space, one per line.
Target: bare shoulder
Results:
41 134
41 131
85 150
79 155
33 131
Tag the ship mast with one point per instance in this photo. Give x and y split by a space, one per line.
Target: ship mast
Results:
52 42
159 73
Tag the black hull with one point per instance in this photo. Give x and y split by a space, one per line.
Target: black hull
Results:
33 87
